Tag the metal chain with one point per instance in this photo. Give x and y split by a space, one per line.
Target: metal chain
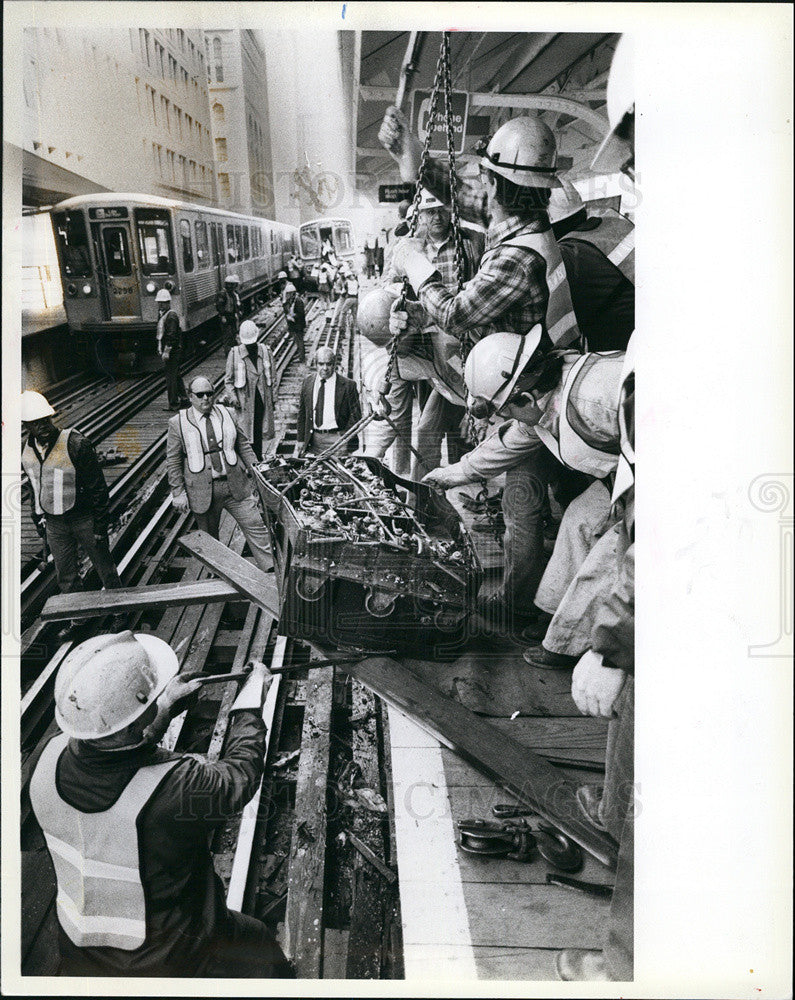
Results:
441 73
448 109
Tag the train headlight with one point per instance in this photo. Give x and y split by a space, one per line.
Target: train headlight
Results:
169 285
151 287
71 289
86 289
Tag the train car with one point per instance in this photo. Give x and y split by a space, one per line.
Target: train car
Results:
116 251
319 236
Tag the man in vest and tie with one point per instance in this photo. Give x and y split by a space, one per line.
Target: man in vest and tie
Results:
328 406
128 825
207 456
70 498
520 283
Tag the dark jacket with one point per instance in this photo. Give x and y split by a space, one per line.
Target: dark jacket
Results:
295 312
347 408
92 498
185 899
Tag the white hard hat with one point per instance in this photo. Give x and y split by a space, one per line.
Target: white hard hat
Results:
107 682
495 363
249 332
614 152
231 279
523 150
164 295
282 274
427 200
289 288
564 201
372 316
35 406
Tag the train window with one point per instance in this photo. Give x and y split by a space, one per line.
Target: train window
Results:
213 243
202 245
310 242
187 247
231 245
246 246
70 232
343 240
154 241
117 251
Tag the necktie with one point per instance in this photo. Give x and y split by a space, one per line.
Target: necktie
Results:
213 447
320 404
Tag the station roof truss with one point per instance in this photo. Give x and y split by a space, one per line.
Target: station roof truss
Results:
560 77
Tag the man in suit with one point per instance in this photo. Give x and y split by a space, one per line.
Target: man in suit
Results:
329 405
206 455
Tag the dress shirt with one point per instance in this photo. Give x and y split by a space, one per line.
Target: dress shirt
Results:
329 416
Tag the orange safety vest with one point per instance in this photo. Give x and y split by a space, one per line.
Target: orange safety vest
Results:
100 901
54 480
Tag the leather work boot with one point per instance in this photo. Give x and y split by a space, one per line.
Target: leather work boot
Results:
539 656
537 629
581 965
589 799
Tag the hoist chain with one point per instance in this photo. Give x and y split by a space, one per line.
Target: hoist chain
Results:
441 78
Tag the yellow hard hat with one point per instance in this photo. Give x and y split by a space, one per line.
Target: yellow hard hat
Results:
107 682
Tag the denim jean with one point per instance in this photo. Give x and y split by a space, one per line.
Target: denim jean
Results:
439 417
64 535
523 502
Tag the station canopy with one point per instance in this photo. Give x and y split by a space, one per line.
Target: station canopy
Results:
561 77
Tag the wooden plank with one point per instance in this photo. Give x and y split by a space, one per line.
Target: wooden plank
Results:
512 765
431 893
248 824
96 603
304 918
335 953
247 579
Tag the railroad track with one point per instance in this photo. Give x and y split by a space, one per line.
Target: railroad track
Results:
261 857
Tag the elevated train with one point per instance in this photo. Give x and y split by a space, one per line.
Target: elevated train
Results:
318 236
116 251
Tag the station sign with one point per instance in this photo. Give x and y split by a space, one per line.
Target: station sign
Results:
420 108
392 194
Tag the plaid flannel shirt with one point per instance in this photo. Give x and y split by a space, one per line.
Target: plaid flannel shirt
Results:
509 291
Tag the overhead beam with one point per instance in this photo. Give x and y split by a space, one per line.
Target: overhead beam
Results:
519 61
368 93
541 102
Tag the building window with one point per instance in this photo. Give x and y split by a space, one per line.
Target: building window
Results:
184 75
219 63
144 38
179 121
164 105
218 112
181 38
220 150
170 155
152 102
172 68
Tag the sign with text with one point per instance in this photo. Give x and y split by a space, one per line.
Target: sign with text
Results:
391 194
421 106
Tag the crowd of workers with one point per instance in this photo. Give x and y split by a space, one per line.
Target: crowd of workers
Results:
519 348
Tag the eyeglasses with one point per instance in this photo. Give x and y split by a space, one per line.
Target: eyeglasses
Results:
202 395
482 408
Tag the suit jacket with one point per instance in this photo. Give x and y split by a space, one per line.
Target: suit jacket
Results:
199 485
347 408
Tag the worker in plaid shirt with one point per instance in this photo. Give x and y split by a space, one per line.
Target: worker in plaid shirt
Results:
521 282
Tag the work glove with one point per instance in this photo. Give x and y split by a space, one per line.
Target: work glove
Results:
252 694
173 699
595 687
447 477
397 139
41 526
406 324
409 259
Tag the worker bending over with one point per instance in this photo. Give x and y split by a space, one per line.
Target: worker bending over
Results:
128 825
521 283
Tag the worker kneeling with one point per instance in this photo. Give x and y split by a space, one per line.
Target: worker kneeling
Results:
128 825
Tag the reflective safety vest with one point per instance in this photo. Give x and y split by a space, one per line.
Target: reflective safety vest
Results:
54 480
579 445
615 237
561 322
239 355
193 439
100 901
